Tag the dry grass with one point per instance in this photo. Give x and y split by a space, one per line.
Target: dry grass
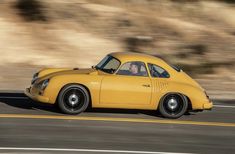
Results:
197 35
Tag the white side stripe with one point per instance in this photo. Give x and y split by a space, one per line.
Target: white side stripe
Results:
86 150
225 106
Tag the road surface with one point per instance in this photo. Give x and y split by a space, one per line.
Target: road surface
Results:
29 127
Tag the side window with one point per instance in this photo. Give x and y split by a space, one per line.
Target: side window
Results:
157 71
133 68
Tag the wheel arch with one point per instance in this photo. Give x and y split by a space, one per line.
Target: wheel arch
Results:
177 93
69 84
190 107
176 112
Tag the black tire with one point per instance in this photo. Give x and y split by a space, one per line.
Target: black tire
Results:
173 106
73 99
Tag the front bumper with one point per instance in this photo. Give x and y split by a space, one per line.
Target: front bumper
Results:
208 105
36 97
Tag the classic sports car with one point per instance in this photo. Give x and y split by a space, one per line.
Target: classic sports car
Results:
121 80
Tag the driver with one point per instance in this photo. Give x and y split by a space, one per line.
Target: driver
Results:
135 68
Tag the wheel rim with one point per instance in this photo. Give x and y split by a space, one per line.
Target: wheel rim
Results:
173 104
74 99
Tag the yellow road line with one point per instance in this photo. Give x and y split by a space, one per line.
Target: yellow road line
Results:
114 119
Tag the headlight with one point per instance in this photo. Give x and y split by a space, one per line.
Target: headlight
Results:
44 84
35 77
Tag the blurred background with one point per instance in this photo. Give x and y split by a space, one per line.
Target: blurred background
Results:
196 35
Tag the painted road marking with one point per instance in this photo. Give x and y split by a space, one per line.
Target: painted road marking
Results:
86 150
115 119
225 106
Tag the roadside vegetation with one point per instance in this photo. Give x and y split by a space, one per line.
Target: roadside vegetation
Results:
196 35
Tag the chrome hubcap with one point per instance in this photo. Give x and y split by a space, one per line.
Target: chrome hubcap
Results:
172 103
73 99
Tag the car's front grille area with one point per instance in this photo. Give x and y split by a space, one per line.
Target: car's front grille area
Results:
34 89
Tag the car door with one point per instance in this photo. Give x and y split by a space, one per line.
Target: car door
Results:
127 90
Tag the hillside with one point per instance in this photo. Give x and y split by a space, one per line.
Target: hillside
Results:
198 36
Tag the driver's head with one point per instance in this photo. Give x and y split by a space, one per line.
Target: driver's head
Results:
134 68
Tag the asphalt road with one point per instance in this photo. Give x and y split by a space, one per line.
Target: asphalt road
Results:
29 127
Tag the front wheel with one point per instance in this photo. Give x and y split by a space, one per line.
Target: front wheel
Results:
73 99
173 106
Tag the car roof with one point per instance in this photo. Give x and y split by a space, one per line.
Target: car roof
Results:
132 56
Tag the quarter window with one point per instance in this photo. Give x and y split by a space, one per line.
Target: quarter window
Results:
133 68
157 71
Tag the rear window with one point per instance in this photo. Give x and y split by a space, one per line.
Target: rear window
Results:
157 71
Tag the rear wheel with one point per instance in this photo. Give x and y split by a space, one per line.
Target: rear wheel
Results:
73 99
173 105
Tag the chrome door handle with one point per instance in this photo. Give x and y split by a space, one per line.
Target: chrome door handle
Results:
146 85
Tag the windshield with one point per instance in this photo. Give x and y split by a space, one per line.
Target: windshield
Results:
109 64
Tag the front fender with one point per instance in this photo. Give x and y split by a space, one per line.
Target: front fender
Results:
47 71
91 82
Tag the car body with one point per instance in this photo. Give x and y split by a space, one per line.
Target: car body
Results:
109 85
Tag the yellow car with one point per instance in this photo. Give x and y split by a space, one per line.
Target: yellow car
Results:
123 80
